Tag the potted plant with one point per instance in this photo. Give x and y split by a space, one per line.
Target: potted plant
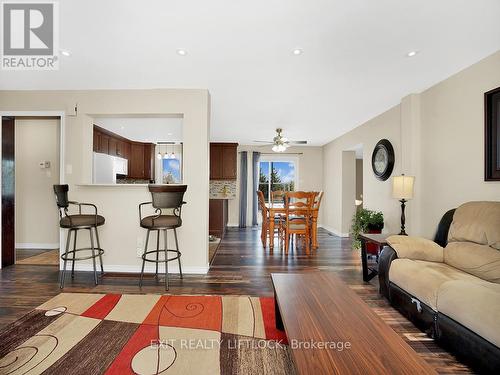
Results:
366 221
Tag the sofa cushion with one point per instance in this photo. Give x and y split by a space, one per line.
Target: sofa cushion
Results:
416 248
479 260
422 279
477 222
473 305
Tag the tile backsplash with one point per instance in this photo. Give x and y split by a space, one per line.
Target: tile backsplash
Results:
217 189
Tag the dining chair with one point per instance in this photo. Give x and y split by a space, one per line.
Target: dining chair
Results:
278 196
265 221
298 217
315 213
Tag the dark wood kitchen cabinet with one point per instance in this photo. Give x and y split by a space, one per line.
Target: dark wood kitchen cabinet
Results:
140 156
141 161
223 158
123 149
136 161
112 146
218 217
149 161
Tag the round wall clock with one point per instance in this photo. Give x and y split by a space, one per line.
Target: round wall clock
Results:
383 160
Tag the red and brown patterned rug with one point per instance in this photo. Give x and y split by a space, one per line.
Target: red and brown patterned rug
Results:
146 334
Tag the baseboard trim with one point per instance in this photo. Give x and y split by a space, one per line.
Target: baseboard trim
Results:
334 232
41 246
150 268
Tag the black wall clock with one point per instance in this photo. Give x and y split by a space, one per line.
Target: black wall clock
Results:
383 160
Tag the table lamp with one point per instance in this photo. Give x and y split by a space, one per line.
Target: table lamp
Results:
402 189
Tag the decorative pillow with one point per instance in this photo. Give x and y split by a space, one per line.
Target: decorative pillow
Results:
482 261
416 248
477 222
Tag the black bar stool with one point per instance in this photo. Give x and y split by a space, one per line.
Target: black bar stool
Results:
75 222
165 197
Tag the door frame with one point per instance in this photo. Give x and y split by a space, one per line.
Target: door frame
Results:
62 149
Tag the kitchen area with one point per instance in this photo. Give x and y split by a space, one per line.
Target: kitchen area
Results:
135 150
223 186
148 150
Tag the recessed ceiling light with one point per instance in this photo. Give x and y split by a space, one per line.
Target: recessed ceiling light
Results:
169 133
122 127
411 53
65 52
181 52
297 51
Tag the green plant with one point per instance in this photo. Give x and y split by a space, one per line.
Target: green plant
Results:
365 220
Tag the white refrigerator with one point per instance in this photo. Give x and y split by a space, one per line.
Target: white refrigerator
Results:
104 169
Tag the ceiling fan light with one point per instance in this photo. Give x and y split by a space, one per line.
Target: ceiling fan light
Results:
275 148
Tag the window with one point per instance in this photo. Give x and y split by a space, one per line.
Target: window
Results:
171 171
276 175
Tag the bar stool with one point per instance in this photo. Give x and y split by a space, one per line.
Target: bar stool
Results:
75 222
164 197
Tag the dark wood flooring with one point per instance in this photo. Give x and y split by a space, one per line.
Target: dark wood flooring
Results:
28 253
242 267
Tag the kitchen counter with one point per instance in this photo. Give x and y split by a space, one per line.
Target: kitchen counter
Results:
222 196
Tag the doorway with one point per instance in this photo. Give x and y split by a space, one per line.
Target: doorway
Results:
31 157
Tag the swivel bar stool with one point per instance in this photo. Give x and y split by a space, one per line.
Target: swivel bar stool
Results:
164 197
75 222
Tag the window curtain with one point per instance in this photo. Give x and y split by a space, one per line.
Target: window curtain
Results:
243 189
255 183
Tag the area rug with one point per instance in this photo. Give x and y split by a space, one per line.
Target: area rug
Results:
76 333
46 258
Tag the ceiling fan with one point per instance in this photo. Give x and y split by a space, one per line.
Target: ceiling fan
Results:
280 143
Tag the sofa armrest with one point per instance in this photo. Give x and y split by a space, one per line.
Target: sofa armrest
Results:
416 248
387 255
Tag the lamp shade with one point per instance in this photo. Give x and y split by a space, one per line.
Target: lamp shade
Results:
402 187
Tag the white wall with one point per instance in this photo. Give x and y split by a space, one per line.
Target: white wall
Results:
376 194
37 219
453 141
121 233
310 173
438 137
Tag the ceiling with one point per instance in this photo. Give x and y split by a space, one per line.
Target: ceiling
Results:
353 66
143 129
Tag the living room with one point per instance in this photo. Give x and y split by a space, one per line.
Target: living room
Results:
292 137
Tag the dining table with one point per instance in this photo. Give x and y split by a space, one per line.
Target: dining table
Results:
279 209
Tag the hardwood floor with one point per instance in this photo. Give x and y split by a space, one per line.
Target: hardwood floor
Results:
28 253
242 267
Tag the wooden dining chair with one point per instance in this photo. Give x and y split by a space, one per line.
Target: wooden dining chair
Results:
265 221
298 217
278 196
315 213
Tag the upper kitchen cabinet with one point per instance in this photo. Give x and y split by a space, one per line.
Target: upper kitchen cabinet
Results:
215 161
136 161
223 158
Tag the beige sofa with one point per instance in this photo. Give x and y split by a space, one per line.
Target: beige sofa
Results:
452 292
